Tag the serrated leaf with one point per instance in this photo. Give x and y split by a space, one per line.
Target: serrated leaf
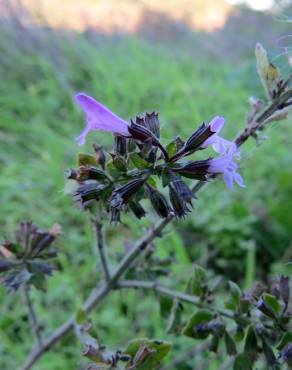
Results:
229 344
139 162
194 326
86 159
242 362
272 302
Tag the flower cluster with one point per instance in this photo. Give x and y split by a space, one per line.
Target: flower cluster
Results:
29 258
139 157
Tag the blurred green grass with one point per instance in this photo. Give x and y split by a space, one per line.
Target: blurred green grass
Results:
40 72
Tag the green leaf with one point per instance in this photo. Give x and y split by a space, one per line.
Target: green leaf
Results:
251 344
171 149
174 323
160 350
242 362
214 343
165 304
166 177
286 339
234 301
139 162
229 344
120 163
198 282
193 327
151 180
86 160
272 302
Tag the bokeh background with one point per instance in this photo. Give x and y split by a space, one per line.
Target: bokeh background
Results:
187 59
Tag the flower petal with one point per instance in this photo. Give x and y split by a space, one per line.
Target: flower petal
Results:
239 180
100 118
228 179
216 124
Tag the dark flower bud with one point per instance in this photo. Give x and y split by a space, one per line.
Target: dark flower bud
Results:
100 155
180 195
159 202
90 173
120 145
137 209
284 289
6 265
265 309
122 195
139 132
88 192
151 122
194 170
71 174
286 354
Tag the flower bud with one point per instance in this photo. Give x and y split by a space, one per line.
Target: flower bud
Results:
265 309
100 155
194 170
284 289
180 195
89 173
137 209
120 145
122 195
158 202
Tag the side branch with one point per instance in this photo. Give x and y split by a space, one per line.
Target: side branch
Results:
35 325
98 226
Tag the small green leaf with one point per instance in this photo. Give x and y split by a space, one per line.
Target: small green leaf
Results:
214 343
242 362
86 160
198 282
174 324
166 304
120 163
229 344
139 162
166 177
234 301
151 180
194 326
171 149
286 339
272 302
160 350
251 344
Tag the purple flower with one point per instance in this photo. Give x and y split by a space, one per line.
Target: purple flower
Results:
99 118
219 144
228 167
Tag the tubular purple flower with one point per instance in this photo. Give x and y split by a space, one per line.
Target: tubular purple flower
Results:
219 144
99 118
227 167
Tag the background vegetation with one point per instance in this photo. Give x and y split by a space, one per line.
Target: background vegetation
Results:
240 235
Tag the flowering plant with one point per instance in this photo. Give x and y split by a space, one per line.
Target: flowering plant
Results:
252 324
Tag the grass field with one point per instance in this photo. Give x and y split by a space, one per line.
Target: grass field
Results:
40 71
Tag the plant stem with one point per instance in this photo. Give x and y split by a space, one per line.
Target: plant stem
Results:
35 326
171 293
98 226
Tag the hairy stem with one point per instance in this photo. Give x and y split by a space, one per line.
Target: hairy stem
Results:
98 226
35 326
